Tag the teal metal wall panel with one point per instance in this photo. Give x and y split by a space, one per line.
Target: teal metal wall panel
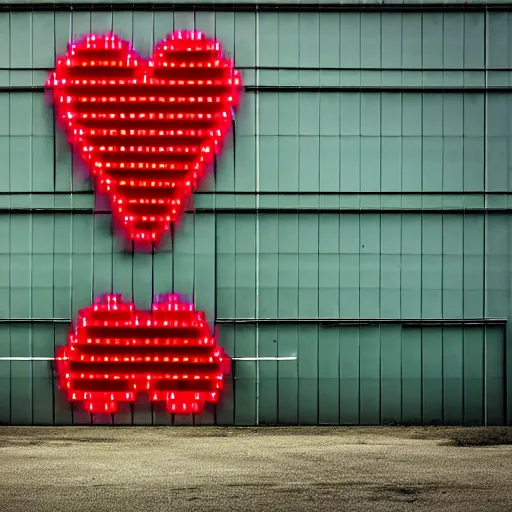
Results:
453 371
473 369
412 385
268 376
380 206
391 375
288 382
494 370
308 374
366 375
369 373
431 370
329 378
244 383
349 387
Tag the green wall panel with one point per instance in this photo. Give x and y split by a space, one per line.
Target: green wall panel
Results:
225 410
268 375
5 377
473 377
453 371
288 373
428 265
343 375
375 155
494 382
432 377
308 374
412 385
244 381
329 378
369 376
388 160
43 345
385 375
349 387
391 374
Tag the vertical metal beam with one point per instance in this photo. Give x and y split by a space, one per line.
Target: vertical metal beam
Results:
257 277
486 202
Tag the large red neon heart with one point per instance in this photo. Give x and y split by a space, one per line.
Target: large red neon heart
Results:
147 130
116 351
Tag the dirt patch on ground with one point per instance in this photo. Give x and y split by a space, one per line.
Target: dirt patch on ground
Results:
468 436
481 436
255 469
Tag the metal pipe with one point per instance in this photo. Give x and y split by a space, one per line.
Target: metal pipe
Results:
257 234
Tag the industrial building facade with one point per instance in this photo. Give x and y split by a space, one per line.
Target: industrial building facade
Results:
352 245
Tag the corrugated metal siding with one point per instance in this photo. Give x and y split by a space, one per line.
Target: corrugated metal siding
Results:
374 203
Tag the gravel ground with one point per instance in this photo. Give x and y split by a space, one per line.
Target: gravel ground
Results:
268 469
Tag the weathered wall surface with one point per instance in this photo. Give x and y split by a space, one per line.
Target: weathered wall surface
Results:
359 218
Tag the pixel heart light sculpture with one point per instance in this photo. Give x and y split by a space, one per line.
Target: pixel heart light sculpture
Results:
116 351
146 129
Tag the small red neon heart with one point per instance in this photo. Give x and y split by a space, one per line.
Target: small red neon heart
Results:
116 351
147 129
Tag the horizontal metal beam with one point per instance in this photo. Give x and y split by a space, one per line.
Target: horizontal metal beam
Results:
392 89
282 210
340 211
35 320
330 321
283 89
350 322
285 193
256 7
316 68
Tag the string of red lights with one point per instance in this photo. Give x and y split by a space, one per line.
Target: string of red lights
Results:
117 351
147 130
